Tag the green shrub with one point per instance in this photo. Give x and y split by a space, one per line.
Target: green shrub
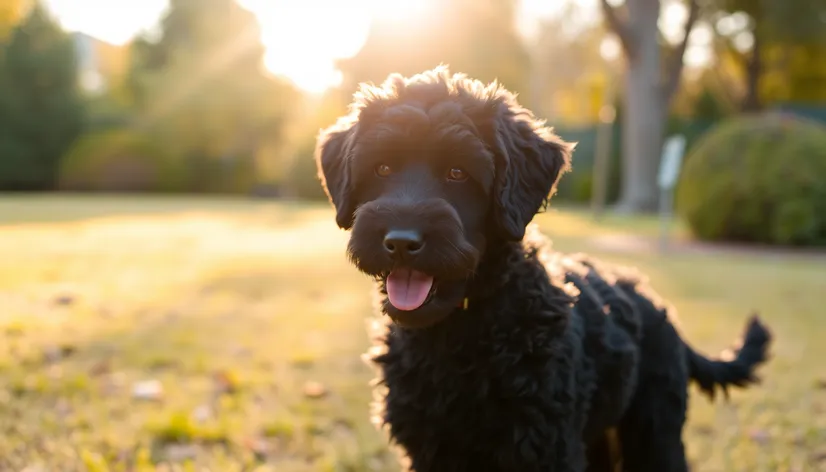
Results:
759 178
118 159
230 174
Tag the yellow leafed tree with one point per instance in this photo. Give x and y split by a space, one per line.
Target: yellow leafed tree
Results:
11 12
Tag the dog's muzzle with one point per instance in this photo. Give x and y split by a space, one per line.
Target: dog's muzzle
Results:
419 251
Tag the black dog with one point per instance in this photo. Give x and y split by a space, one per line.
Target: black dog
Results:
502 355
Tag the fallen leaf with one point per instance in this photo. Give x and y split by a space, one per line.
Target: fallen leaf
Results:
259 447
760 436
203 413
704 430
52 354
101 367
180 452
64 299
303 363
313 389
225 382
151 390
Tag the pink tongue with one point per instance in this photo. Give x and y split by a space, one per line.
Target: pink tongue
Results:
407 289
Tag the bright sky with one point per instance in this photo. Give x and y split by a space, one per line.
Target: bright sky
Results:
303 38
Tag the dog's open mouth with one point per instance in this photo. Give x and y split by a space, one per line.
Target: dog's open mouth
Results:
409 289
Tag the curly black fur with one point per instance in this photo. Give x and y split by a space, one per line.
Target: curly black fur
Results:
555 362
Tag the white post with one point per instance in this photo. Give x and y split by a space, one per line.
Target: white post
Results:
670 164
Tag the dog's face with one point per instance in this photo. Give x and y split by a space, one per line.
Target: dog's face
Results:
427 173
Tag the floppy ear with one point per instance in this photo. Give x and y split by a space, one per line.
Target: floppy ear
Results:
530 158
332 161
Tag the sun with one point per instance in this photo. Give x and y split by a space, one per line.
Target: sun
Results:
304 39
398 11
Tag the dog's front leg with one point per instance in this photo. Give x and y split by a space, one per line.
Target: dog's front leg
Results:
545 424
553 446
530 419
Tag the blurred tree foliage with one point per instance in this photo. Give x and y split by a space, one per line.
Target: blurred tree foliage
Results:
200 89
773 49
477 37
41 111
574 93
11 13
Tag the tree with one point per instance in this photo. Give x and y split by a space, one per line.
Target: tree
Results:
218 36
775 44
477 37
200 87
41 112
650 83
11 12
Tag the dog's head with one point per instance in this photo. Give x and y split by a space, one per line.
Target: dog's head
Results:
427 173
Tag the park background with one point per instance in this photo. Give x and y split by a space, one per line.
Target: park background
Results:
173 290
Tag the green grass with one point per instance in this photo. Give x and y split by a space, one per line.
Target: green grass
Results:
250 318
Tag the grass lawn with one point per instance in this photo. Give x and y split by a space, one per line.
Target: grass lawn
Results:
137 333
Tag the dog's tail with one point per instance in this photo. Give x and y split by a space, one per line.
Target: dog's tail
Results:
710 374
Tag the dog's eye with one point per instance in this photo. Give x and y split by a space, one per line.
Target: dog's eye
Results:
456 175
383 170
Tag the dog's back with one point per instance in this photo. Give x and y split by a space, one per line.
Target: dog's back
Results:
612 329
640 358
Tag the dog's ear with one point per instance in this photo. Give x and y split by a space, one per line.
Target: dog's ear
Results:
332 161
530 159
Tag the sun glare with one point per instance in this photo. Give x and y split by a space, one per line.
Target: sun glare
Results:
398 11
304 39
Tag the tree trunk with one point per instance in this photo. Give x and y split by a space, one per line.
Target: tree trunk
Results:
644 111
754 67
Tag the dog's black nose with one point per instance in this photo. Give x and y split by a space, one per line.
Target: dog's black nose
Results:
403 242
